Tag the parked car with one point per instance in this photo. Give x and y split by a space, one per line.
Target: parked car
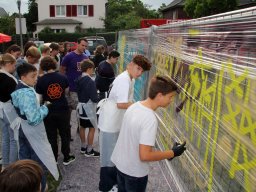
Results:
112 47
47 44
94 41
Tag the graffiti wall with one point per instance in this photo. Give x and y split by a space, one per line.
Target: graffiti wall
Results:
213 62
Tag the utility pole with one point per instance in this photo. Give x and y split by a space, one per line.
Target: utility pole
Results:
21 38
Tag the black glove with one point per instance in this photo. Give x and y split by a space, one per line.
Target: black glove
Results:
178 149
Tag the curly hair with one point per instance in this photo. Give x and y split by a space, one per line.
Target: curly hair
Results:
142 61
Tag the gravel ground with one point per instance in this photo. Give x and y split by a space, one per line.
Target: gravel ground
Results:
83 174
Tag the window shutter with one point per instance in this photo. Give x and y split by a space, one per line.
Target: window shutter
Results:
69 11
52 10
91 11
74 10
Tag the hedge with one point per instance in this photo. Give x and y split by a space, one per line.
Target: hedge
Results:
59 37
72 37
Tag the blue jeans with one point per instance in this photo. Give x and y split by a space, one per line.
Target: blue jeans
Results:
9 144
27 152
108 175
128 183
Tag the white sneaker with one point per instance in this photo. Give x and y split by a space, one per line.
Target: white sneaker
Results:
114 189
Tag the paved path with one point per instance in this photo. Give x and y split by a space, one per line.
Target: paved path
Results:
83 174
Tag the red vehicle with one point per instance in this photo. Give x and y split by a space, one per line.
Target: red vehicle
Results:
73 45
145 23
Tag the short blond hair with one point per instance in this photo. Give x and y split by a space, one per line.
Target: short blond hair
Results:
7 58
44 48
33 52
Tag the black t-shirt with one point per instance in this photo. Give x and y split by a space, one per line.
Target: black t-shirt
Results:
52 87
86 90
7 86
105 76
97 59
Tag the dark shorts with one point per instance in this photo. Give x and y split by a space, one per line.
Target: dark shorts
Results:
85 123
108 178
131 184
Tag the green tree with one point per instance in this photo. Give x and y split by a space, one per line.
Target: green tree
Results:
47 30
200 8
78 29
7 25
126 14
32 15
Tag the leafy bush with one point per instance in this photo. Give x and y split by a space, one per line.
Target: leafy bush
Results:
72 37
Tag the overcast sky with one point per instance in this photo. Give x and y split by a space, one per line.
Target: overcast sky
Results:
10 6
155 3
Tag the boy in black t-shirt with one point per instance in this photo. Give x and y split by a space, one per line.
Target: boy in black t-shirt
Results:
105 74
52 87
87 97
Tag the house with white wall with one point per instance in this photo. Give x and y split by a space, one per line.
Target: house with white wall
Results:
60 15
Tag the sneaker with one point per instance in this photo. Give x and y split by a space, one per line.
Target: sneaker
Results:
70 159
83 150
92 153
114 189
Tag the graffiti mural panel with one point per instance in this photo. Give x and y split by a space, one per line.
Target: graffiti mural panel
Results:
213 62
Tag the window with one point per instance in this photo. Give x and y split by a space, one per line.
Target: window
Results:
82 10
58 30
60 10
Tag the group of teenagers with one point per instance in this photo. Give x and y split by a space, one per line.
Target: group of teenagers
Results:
34 108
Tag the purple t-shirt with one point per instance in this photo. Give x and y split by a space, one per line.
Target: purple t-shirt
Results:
72 62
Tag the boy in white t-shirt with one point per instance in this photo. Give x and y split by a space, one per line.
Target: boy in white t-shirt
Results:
134 147
111 116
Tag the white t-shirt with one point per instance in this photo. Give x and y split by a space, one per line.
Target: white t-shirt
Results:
111 117
139 127
122 89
